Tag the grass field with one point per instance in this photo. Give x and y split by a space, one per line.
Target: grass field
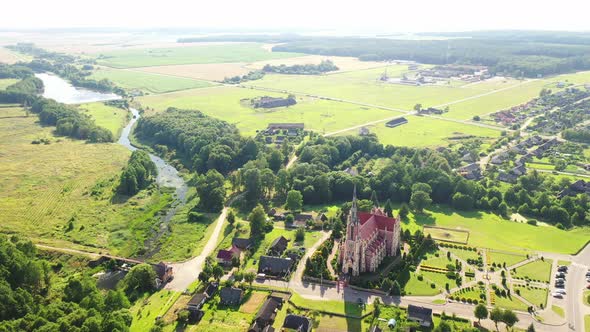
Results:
538 270
7 56
440 261
536 296
111 118
511 303
200 71
44 187
487 230
4 82
231 104
146 82
219 53
586 297
145 310
416 287
464 254
558 310
587 323
253 303
501 257
447 234
426 132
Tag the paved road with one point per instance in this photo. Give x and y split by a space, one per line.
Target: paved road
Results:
297 277
187 272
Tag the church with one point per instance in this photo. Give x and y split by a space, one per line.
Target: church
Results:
370 237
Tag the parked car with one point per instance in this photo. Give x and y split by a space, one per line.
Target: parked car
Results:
560 286
261 276
588 286
560 275
557 295
562 268
560 291
560 280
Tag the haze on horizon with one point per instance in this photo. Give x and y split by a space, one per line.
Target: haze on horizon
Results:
379 16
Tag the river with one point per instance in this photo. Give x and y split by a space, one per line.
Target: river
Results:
62 91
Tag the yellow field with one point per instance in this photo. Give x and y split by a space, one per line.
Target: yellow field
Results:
204 71
7 56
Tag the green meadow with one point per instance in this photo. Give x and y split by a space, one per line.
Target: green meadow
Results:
423 131
215 53
146 82
487 230
111 118
4 82
232 104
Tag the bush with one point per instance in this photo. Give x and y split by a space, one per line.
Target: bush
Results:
532 222
194 216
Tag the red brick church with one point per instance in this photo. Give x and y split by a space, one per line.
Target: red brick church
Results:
370 237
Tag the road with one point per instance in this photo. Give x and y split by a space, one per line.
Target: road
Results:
298 276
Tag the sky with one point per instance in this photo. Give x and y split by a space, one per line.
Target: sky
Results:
345 15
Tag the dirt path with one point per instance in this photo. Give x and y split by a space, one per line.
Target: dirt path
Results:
301 266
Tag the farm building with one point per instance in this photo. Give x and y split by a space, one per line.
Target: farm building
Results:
396 122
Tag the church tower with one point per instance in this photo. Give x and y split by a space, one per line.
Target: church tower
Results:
351 253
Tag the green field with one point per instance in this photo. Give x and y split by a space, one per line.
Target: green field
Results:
511 303
487 230
558 310
538 270
426 132
44 186
464 254
536 296
231 104
145 310
146 82
416 287
4 82
445 234
111 118
501 257
587 323
219 53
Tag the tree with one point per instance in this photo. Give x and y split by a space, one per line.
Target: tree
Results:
509 318
141 278
496 316
386 285
420 200
376 308
183 316
388 209
480 312
531 328
374 198
275 160
294 200
443 326
211 190
396 288
404 210
249 277
257 219
252 184
337 228
231 217
418 107
217 272
300 234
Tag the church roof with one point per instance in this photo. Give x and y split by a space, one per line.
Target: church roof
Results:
370 222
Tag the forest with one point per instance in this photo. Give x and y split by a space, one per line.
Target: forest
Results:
527 55
139 173
306 69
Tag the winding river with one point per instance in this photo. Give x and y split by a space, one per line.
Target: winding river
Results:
62 91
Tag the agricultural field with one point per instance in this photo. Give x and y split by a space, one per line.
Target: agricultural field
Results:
109 117
232 104
7 56
539 270
61 193
487 230
5 82
423 131
199 71
211 53
146 82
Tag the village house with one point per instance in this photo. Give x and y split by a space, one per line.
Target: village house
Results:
507 177
278 246
241 243
396 122
164 273
282 126
470 172
297 323
301 219
266 315
468 158
364 131
370 237
420 315
196 302
275 266
225 257
231 296
578 187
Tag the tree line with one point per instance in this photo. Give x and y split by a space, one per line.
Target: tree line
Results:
306 69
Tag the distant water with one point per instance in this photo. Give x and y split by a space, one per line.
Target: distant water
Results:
60 90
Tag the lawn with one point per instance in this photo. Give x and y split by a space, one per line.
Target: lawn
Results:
232 104
440 261
586 297
587 323
337 307
474 293
440 279
537 271
421 131
416 287
502 257
487 230
536 296
44 186
4 82
111 118
145 310
211 53
446 234
222 319
464 254
511 303
146 82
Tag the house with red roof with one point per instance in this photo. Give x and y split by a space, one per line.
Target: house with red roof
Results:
370 237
